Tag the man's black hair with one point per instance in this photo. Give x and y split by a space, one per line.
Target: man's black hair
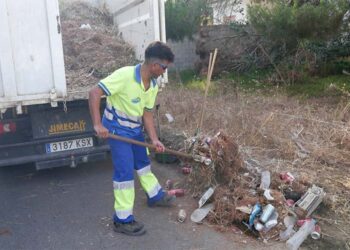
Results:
159 50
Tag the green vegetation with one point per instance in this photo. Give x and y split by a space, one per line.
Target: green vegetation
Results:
183 18
308 37
258 80
336 85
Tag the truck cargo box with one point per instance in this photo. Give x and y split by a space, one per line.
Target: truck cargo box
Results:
40 121
31 55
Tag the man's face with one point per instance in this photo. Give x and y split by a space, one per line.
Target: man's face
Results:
158 67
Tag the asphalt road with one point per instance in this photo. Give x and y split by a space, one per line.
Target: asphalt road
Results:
71 208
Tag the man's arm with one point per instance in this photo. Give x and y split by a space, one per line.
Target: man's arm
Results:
151 131
94 106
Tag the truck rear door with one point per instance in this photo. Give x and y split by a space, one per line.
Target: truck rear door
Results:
31 54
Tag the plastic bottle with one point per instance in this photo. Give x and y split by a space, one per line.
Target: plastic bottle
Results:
286 234
256 210
258 226
272 222
298 238
265 180
268 210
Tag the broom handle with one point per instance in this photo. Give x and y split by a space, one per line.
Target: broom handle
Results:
212 59
148 145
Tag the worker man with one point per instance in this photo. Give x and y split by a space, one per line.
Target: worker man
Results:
131 92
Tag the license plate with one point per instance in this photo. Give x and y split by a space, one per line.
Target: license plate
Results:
69 145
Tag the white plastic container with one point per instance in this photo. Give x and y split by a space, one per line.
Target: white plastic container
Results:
286 234
272 222
265 180
298 238
268 210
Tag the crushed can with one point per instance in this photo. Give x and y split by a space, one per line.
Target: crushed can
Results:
301 222
181 216
169 184
316 234
287 177
186 170
290 202
177 192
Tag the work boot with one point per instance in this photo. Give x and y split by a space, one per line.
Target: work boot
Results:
133 228
166 201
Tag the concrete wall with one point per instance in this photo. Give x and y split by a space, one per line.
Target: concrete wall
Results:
185 54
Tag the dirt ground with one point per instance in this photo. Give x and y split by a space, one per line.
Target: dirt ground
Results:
309 138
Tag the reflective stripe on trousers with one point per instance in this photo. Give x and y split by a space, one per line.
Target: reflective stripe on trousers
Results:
148 181
124 193
127 157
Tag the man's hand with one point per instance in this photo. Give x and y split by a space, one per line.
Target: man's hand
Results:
159 146
101 131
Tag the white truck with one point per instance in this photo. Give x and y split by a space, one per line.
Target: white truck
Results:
40 121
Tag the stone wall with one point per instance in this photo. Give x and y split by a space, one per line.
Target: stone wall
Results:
237 51
185 54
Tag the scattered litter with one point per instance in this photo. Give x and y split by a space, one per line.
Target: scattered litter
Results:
85 26
265 180
258 226
316 234
200 213
289 221
267 195
186 170
301 222
244 209
268 210
290 202
205 197
261 200
287 177
202 159
272 222
255 212
309 201
181 217
169 184
289 193
169 117
299 237
286 234
177 192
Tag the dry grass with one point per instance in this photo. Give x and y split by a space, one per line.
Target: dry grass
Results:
91 54
310 138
